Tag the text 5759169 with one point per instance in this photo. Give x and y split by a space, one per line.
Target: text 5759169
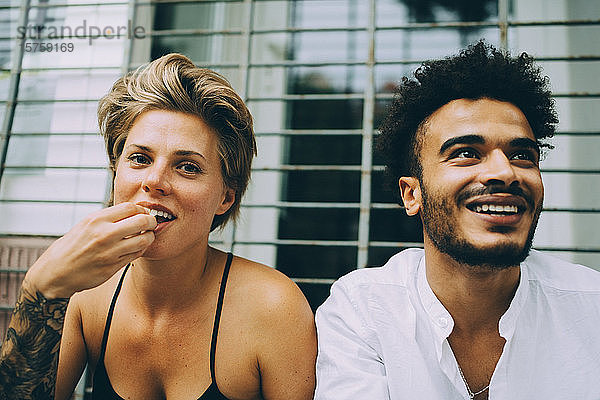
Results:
41 47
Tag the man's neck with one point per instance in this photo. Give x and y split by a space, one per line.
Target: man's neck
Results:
476 297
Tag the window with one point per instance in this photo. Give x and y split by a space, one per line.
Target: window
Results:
318 77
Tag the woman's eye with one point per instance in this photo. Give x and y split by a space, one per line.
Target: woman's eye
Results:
189 168
138 159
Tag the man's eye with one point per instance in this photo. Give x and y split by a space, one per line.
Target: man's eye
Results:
138 159
525 156
464 153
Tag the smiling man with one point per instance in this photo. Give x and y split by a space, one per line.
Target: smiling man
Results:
475 314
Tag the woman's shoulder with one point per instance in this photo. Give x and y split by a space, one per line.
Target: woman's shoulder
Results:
96 301
92 304
267 292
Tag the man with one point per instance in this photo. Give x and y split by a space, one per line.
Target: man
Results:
475 314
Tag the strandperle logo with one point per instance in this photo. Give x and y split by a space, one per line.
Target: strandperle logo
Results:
83 31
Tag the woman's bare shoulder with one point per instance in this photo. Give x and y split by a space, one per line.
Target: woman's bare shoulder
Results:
273 295
93 303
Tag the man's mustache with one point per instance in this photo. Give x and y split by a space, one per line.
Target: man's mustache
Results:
493 189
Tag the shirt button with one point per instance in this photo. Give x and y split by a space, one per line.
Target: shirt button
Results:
443 322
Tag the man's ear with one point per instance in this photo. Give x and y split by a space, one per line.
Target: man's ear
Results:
410 191
227 202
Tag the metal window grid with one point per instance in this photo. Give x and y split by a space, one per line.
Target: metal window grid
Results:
368 97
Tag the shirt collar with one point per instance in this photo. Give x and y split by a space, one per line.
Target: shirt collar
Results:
508 321
441 320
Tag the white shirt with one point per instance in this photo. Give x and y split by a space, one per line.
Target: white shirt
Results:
383 335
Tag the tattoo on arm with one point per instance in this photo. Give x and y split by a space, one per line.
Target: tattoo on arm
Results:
29 357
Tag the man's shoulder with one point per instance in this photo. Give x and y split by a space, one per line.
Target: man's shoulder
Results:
396 271
558 274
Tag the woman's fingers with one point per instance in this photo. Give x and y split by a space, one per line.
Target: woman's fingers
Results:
133 245
121 211
134 225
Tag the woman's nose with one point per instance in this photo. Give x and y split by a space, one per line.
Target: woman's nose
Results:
156 180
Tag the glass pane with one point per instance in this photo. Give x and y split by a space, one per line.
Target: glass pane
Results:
315 293
56 117
389 76
4 85
309 47
9 18
394 12
54 185
572 191
323 149
74 52
555 41
271 14
55 150
383 189
91 36
299 261
424 44
325 114
381 111
269 116
393 225
568 230
6 49
318 224
267 82
66 85
209 15
542 10
578 114
573 151
329 14
310 14
77 21
234 76
41 218
321 186
572 76
206 49
326 80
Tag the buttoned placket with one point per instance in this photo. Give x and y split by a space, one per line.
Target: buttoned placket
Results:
442 324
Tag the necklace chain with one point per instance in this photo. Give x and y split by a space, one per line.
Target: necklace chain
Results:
469 391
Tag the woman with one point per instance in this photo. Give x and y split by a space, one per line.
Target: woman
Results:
181 320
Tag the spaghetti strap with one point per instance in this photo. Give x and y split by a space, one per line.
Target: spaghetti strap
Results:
215 332
110 314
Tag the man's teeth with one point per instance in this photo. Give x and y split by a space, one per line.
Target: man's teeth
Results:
496 208
159 213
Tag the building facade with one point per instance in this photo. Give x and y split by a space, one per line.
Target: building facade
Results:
318 76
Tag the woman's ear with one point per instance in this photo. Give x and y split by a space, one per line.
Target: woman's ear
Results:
227 202
410 191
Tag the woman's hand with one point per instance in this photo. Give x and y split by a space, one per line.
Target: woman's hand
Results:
92 251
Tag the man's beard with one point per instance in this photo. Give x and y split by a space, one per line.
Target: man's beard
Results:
442 229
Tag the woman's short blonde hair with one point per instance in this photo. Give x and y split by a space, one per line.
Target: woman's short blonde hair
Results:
174 83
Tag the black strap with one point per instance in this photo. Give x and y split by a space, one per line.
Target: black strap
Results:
213 343
110 314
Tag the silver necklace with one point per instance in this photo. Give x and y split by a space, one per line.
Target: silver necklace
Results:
469 391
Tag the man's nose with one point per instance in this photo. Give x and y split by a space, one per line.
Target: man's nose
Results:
499 170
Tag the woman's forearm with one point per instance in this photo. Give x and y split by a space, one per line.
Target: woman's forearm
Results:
29 357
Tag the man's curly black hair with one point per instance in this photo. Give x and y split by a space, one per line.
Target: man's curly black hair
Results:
479 71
